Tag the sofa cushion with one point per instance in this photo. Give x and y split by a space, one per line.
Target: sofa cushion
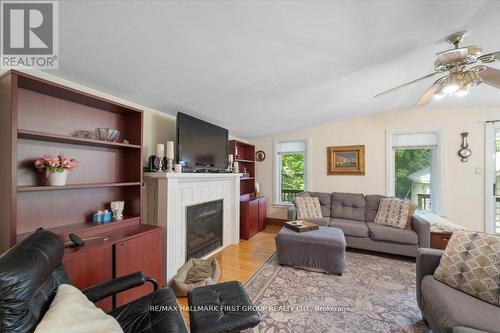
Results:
372 202
349 206
350 227
322 221
382 232
471 263
308 207
325 201
451 308
394 212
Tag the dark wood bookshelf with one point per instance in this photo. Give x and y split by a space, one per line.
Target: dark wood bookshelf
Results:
253 209
244 154
37 118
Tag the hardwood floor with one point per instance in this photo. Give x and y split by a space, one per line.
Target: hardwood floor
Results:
240 262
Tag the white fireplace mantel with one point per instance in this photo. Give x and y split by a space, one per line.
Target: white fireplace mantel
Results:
168 195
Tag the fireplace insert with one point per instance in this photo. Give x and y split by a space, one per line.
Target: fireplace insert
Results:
203 228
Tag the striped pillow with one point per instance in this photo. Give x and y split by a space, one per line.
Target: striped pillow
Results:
393 212
308 207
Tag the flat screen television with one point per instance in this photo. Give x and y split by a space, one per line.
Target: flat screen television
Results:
200 144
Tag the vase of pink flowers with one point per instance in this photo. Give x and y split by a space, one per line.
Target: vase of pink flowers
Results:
55 168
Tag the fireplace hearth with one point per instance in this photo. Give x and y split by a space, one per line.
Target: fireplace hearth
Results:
204 224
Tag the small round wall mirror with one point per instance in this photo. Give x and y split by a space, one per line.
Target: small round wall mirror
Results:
260 156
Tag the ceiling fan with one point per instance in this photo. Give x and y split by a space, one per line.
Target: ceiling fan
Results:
459 77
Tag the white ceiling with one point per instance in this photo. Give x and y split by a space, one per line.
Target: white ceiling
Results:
262 67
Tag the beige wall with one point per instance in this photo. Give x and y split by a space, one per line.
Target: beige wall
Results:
463 182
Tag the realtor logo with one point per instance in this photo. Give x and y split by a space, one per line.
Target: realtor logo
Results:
29 33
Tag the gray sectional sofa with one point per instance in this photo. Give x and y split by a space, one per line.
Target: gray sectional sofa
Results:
354 213
448 310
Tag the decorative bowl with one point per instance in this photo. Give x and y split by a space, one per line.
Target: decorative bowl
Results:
84 134
107 134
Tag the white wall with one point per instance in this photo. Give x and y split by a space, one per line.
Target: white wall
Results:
464 189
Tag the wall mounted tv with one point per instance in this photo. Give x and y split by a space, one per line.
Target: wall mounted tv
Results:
200 145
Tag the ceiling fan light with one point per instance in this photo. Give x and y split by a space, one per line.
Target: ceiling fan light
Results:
462 92
439 95
450 88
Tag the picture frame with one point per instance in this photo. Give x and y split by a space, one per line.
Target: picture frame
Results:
346 160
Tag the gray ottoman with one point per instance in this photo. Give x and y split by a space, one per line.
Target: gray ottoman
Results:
318 250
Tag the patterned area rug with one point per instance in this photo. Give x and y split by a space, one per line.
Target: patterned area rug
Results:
375 294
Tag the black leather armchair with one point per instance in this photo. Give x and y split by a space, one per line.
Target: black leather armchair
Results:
31 271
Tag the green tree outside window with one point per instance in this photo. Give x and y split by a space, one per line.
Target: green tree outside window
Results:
292 175
408 161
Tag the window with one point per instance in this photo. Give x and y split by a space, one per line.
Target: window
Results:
414 169
290 170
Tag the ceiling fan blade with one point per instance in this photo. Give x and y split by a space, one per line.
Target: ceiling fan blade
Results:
490 76
426 97
405 84
490 57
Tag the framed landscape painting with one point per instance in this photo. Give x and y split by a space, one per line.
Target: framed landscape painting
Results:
346 160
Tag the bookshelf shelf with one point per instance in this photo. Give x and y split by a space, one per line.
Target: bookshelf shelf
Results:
34 135
74 186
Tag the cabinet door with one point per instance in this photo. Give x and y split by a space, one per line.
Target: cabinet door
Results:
90 268
262 213
249 215
143 253
253 218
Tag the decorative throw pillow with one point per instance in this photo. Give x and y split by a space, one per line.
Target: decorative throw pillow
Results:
71 311
412 210
201 270
308 207
471 263
393 212
301 195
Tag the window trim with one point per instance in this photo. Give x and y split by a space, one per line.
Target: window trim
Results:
438 189
490 177
276 173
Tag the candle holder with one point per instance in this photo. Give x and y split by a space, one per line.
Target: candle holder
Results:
230 159
161 164
169 165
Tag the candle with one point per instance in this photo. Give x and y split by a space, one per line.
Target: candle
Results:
231 158
160 150
170 150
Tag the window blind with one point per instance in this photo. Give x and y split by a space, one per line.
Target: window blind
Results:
428 139
291 147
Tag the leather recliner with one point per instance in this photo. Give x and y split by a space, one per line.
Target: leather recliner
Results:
31 271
